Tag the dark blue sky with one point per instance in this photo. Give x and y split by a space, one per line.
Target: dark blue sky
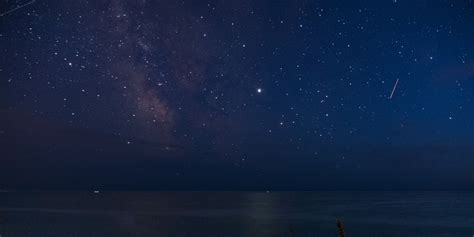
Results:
117 94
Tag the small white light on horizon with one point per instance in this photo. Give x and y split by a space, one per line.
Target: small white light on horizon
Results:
259 90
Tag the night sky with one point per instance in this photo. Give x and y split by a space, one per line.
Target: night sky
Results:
237 94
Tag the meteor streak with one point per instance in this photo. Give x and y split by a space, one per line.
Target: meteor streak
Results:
17 8
393 90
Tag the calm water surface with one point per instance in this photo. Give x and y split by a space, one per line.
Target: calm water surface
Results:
236 214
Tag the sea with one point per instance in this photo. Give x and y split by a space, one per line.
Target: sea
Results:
186 214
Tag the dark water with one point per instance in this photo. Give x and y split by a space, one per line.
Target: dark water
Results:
236 214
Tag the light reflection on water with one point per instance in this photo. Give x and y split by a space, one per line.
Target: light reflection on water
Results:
236 213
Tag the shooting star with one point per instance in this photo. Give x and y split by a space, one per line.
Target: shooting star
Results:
17 8
393 90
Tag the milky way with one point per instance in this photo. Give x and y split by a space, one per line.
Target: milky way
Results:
254 88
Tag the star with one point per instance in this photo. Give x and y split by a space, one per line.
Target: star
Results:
195 79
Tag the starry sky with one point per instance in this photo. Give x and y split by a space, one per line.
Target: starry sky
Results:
237 94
